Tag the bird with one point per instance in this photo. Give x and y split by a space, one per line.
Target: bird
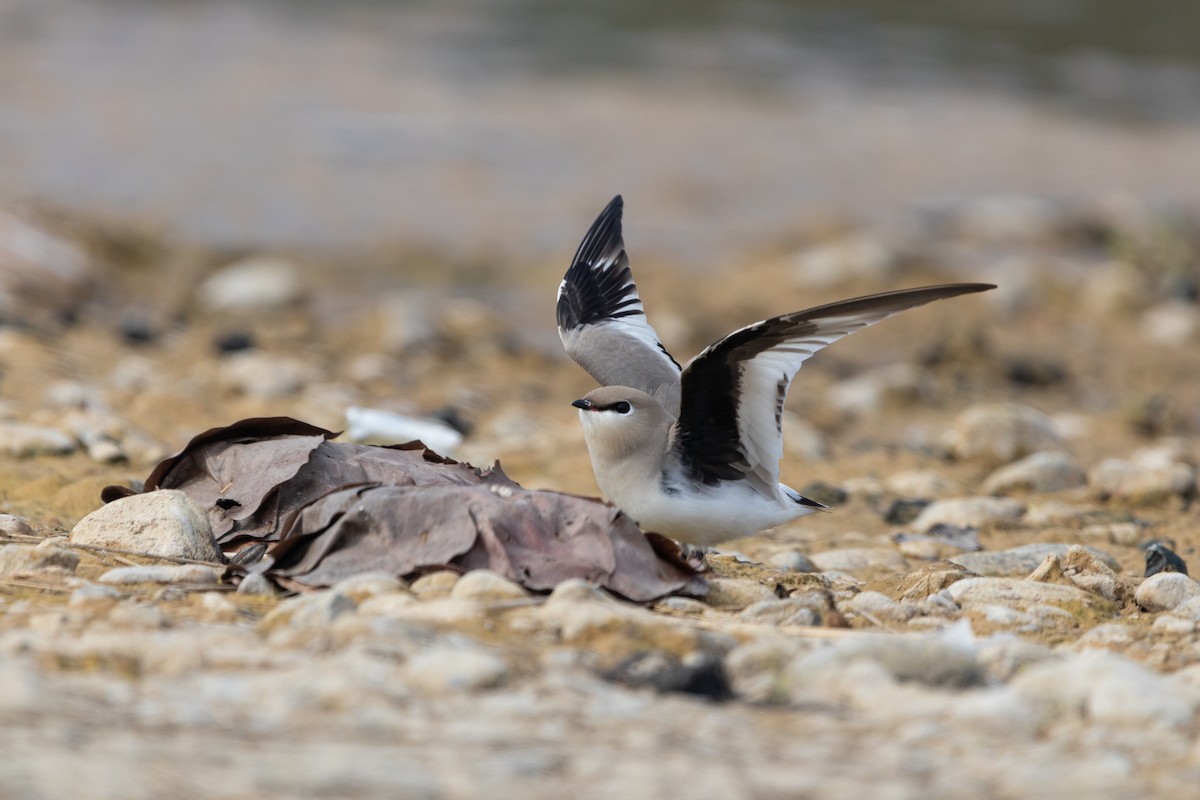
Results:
692 452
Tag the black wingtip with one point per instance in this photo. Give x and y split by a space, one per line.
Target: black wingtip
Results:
603 236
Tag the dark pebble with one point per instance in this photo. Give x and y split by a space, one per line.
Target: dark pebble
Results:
1031 371
1161 558
234 341
136 329
702 674
904 510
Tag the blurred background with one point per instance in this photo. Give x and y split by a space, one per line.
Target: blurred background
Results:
498 129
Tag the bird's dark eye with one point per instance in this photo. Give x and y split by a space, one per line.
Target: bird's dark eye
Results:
622 407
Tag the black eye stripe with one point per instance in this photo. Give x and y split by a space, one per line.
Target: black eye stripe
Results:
621 407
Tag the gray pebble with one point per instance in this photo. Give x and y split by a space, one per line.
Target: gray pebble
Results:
443 668
483 584
737 592
970 512
93 592
184 573
1188 609
877 606
1020 594
26 441
12 525
31 558
1022 560
852 559
785 611
255 284
1108 689
162 523
1171 624
792 561
1047 471
929 659
1165 591
369 584
1001 433
256 585
1142 482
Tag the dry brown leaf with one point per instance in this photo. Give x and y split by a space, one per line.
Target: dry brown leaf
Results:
334 509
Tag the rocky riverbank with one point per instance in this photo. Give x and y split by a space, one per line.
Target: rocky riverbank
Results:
972 620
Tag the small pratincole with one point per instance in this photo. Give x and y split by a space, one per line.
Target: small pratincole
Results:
693 452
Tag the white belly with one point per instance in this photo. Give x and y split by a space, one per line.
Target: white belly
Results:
729 511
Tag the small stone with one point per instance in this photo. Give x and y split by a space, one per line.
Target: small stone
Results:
93 593
737 592
435 584
1172 323
1022 595
756 668
1126 534
234 341
1024 559
136 614
930 579
1142 483
488 586
106 451
1001 433
443 668
1038 472
698 673
785 611
1165 591
377 426
1107 634
1056 512
854 559
970 512
12 525
185 573
252 284
256 585
1161 558
311 610
1188 609
792 561
34 558
1171 624
683 605
387 605
369 584
161 523
904 510
26 441
942 541
924 484
1106 689
876 606
1078 567
928 660
266 376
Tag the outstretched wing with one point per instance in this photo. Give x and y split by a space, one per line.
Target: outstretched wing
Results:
601 321
730 421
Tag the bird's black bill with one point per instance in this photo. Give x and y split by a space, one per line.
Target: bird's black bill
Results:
585 405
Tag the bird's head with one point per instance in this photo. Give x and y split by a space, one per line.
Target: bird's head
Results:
618 420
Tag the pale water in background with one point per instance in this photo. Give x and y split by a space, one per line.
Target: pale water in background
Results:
477 127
